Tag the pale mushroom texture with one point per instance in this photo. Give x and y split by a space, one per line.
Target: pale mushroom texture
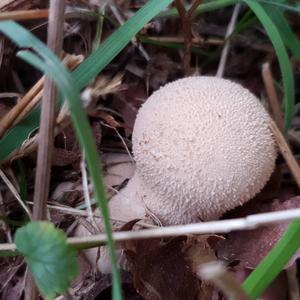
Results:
202 146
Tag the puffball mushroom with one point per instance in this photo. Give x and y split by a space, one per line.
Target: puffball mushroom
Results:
202 146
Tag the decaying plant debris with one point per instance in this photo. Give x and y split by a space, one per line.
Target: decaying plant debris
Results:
166 49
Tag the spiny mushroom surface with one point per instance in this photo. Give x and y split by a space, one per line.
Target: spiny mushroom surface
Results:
202 146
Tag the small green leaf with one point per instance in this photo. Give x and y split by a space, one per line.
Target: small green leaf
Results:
52 262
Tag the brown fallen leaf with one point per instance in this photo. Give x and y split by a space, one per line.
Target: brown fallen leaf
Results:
160 270
67 139
97 133
245 249
62 189
127 103
277 290
160 70
197 251
62 157
117 168
68 152
107 118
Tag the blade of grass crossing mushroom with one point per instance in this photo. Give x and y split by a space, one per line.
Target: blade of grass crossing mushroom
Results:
284 63
94 64
48 63
274 262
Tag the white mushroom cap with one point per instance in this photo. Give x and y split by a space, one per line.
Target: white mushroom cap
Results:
202 147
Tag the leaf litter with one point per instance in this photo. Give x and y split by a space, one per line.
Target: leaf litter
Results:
159 268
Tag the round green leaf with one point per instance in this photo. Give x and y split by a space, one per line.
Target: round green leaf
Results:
52 262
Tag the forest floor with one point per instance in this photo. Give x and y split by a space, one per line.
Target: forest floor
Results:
155 57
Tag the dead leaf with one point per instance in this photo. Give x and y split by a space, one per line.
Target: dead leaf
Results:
160 70
128 102
117 168
247 248
68 151
97 133
63 188
62 157
107 118
67 140
277 290
160 270
198 251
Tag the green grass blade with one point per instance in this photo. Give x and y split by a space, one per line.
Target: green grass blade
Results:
94 64
246 21
17 135
205 7
284 63
48 63
109 49
289 38
274 262
217 4
283 6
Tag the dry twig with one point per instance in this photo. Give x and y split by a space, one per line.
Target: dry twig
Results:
186 19
221 226
21 15
286 152
14 192
31 98
46 132
281 142
272 95
230 28
11 116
